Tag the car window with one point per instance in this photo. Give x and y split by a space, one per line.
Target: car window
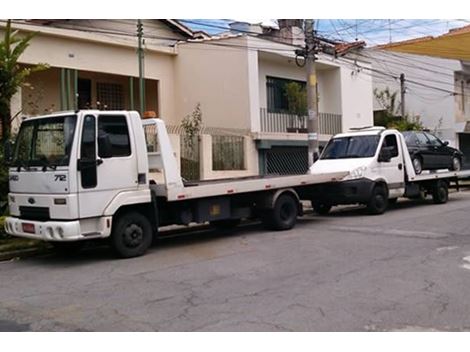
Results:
433 139
422 140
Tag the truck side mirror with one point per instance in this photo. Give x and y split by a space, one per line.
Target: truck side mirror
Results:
385 155
105 148
446 143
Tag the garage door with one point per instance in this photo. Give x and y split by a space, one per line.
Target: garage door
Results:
286 160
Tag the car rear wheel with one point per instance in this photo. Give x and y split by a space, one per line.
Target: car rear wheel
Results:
456 163
417 165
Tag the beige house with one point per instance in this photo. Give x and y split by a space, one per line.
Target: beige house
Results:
237 79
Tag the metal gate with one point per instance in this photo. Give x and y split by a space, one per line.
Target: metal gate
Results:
286 161
190 162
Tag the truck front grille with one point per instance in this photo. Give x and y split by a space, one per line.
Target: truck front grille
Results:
35 213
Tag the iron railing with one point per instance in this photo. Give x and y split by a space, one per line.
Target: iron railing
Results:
282 122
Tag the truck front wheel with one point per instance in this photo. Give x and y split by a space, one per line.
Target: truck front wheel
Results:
131 235
378 201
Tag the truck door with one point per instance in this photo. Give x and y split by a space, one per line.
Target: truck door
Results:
107 164
393 170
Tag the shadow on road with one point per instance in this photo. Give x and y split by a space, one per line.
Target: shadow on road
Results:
99 251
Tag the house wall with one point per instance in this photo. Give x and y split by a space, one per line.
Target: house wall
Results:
329 84
216 76
434 106
85 55
356 98
155 31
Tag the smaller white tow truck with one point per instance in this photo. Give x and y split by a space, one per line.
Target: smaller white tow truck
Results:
82 175
379 169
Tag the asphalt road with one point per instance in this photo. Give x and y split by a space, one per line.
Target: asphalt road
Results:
408 269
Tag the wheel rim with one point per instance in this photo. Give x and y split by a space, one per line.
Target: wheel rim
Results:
133 236
286 212
417 165
456 164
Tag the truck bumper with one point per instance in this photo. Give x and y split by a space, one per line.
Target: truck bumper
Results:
60 231
344 192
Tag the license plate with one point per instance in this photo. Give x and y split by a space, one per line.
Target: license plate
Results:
29 228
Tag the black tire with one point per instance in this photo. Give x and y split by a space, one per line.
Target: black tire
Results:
456 164
321 208
131 235
440 192
378 201
284 214
417 164
67 248
225 224
392 201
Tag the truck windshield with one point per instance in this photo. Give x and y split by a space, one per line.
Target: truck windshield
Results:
351 147
45 142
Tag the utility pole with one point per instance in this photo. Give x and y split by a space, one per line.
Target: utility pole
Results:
312 93
140 53
402 94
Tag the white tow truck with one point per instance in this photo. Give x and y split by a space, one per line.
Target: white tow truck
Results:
380 170
81 175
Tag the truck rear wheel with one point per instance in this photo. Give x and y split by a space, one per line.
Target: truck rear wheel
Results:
131 235
283 215
440 192
378 201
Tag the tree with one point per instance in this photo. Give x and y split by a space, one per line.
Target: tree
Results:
12 75
390 115
296 99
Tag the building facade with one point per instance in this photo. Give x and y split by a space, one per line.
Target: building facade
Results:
236 80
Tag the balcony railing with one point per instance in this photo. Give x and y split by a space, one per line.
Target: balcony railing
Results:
283 122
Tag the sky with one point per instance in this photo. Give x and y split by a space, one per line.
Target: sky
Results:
372 31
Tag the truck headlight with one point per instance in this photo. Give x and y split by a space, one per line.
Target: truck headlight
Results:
358 172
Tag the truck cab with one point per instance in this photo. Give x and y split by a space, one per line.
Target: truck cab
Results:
70 170
375 161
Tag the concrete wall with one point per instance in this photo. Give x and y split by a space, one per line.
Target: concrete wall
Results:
216 76
250 158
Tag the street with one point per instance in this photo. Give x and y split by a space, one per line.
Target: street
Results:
406 270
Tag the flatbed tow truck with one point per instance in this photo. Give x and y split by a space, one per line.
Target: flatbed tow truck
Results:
83 175
380 170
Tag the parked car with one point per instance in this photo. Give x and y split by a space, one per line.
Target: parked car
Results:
429 153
